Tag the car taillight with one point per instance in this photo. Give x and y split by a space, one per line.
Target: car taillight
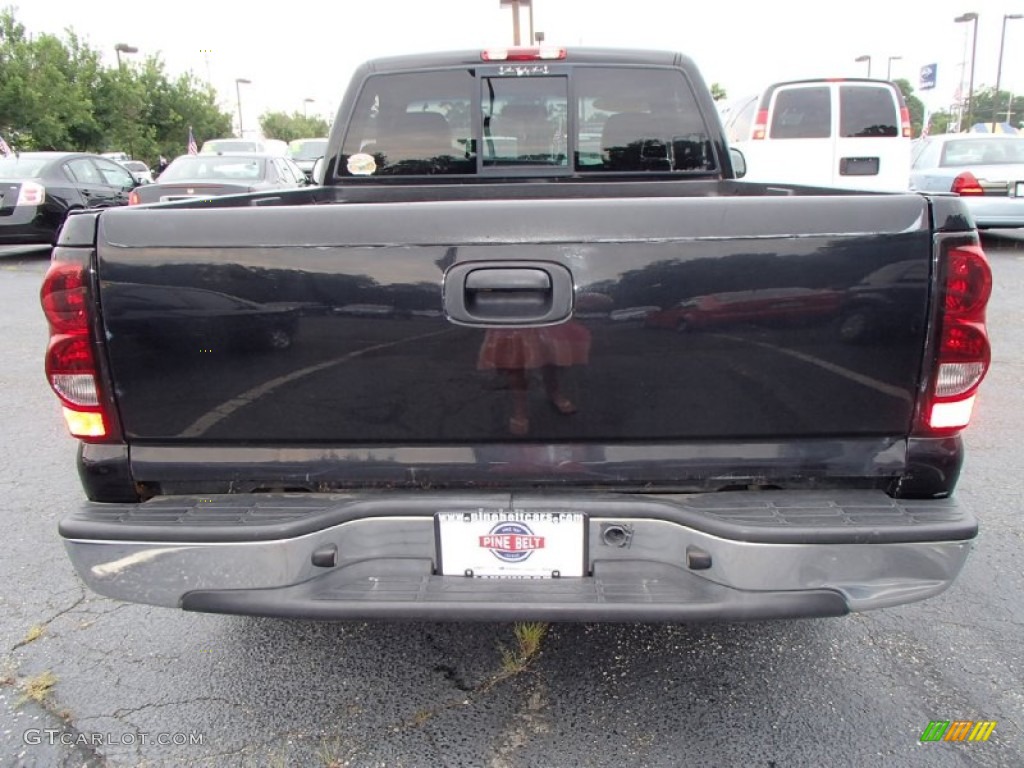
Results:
133 198
760 124
966 184
70 359
905 123
31 193
963 354
522 54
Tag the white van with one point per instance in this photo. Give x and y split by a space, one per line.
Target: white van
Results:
853 134
269 146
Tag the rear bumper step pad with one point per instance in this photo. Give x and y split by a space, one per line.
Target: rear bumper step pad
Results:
616 592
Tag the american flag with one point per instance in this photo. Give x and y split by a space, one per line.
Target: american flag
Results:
5 148
192 148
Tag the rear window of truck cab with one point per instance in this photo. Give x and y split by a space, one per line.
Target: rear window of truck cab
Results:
488 122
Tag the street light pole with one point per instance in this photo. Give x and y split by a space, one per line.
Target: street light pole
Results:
999 71
866 58
974 50
516 5
239 82
123 48
119 49
888 69
304 103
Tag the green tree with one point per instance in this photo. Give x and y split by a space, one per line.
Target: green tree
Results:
988 105
278 125
939 122
718 92
45 88
914 105
55 94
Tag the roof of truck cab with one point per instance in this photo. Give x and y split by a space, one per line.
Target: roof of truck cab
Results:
573 56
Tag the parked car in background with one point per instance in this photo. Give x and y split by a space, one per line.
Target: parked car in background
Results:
202 176
760 307
305 153
139 170
223 146
39 189
986 170
852 134
211 319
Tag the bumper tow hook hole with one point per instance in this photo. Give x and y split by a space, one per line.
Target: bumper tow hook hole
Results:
326 557
616 535
697 559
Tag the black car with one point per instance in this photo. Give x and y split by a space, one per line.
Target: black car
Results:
198 177
39 189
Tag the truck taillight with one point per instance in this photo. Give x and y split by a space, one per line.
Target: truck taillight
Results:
963 354
133 198
70 359
523 54
966 184
760 124
908 133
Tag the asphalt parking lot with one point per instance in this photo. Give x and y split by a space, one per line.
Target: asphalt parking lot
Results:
88 681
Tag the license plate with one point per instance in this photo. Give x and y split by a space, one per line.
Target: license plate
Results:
508 544
1019 191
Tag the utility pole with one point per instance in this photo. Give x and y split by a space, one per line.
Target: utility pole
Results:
999 72
516 5
973 17
240 81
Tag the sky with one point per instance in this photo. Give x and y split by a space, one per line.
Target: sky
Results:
304 49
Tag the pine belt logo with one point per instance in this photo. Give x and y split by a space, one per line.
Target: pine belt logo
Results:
958 730
511 541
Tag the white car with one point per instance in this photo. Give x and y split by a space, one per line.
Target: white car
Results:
230 146
986 170
851 134
139 170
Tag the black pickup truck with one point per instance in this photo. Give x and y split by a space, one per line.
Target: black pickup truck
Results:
530 350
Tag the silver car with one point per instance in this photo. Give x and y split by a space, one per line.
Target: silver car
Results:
201 177
986 170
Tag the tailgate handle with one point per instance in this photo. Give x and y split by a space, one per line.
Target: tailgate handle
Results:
511 281
497 294
508 293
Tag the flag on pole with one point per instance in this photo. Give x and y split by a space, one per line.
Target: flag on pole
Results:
926 122
5 148
192 148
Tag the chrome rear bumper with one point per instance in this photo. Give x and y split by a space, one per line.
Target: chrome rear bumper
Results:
743 555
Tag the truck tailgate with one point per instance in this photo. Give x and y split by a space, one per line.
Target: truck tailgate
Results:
708 319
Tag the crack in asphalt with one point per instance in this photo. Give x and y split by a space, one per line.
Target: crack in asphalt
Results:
121 714
49 621
452 675
530 723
